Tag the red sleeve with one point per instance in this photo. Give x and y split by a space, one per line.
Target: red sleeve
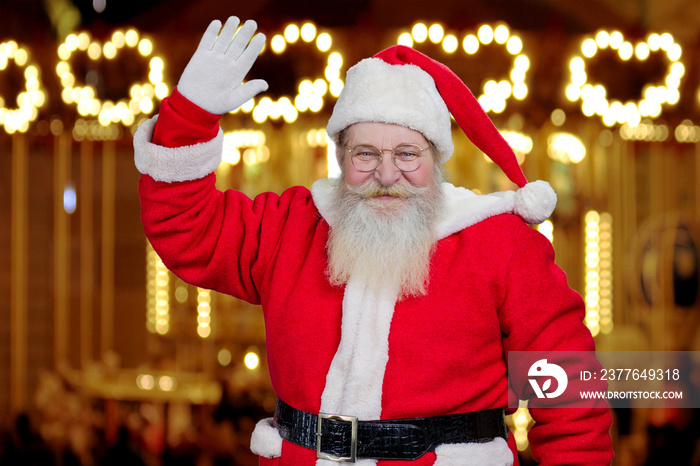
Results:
216 240
542 313
182 123
197 230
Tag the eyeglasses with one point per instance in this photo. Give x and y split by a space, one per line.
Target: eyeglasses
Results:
406 157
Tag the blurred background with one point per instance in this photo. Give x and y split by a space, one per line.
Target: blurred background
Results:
107 358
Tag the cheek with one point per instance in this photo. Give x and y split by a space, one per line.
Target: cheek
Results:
422 176
353 177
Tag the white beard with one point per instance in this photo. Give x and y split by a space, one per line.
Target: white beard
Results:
380 241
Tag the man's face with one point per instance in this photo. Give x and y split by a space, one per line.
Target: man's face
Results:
387 136
385 228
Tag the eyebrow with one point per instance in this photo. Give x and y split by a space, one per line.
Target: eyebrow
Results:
397 145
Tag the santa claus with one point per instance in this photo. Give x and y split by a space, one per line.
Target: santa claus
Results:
391 298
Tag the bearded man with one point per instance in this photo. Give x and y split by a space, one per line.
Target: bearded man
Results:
391 298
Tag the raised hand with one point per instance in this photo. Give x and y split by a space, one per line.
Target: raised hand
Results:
213 79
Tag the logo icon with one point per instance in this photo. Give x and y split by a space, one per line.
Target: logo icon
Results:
542 368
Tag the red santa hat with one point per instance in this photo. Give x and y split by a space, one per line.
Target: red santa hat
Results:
402 86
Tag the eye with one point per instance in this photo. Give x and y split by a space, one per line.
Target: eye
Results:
365 152
406 152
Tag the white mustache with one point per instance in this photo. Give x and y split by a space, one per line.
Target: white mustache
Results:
372 188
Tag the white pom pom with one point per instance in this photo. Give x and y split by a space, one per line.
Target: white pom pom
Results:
535 202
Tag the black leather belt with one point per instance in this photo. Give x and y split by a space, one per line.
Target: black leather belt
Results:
344 438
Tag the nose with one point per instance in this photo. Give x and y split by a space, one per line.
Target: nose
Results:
387 173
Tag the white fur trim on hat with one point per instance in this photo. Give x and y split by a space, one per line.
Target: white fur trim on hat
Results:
266 440
405 95
175 164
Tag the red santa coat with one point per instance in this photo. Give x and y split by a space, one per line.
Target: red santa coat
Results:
356 350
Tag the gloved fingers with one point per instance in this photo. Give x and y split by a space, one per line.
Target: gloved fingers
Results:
227 34
240 42
248 90
253 88
209 37
250 54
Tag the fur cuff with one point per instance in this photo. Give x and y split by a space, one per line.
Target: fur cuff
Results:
177 163
266 440
493 453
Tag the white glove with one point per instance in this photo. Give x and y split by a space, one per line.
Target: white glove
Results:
213 79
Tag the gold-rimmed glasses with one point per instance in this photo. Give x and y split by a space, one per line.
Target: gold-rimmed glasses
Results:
406 157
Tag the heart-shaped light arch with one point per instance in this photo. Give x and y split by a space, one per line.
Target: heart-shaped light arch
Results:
141 95
30 99
495 93
593 97
312 92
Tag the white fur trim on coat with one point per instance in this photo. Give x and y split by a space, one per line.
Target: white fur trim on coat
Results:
266 440
399 94
356 375
493 453
464 208
177 163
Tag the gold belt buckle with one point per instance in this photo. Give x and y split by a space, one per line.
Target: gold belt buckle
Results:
353 438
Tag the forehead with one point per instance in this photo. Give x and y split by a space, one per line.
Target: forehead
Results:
378 133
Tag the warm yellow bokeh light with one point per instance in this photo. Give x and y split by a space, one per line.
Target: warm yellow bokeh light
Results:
30 99
251 360
593 97
141 96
